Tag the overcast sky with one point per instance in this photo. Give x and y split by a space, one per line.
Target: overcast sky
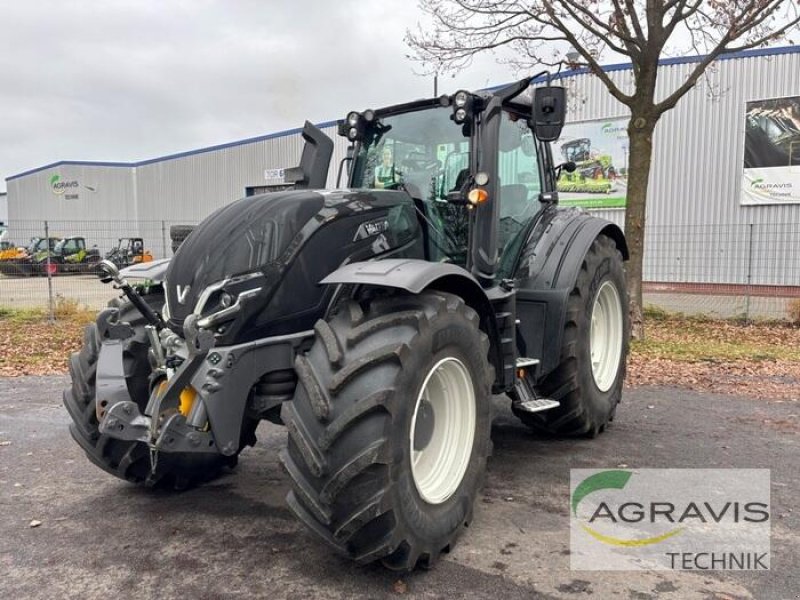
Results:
125 81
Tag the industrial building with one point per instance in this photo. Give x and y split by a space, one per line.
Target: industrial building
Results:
713 217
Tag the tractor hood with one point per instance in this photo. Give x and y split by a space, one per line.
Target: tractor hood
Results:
239 239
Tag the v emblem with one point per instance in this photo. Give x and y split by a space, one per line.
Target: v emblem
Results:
183 292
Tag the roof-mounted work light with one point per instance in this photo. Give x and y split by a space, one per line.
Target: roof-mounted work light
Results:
355 124
463 104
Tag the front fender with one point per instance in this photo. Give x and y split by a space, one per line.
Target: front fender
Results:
415 276
412 275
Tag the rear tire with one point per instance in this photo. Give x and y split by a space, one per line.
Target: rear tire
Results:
588 380
372 403
131 460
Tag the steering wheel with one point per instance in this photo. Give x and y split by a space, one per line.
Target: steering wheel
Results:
419 161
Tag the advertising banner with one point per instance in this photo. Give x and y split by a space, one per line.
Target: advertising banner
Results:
771 173
599 149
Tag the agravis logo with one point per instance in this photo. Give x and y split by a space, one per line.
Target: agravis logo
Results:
613 129
628 512
759 185
59 187
670 519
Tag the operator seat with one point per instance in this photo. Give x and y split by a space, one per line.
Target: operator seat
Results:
513 199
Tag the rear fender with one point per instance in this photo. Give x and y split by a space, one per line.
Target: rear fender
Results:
546 273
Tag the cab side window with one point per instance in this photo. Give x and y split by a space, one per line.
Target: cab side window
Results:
519 184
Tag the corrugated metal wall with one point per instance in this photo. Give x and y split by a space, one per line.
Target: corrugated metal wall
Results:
697 231
191 187
104 193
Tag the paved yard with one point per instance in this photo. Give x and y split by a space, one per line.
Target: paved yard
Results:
102 538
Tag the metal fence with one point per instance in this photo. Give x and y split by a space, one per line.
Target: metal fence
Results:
42 279
748 271
744 271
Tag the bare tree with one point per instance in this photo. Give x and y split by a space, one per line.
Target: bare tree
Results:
544 32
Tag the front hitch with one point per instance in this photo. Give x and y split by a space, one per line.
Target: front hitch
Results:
162 426
123 421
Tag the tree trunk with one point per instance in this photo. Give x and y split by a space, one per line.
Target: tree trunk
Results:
640 152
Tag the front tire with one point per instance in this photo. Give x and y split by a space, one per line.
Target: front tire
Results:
389 428
588 380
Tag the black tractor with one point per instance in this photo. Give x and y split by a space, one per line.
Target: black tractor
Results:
375 322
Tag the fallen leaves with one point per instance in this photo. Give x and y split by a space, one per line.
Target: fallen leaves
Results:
759 360
34 346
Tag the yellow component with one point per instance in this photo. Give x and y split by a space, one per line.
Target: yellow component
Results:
187 398
12 254
143 258
613 541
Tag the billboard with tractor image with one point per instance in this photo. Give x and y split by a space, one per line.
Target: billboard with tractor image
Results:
599 150
772 152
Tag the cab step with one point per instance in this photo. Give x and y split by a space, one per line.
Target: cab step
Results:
524 363
536 405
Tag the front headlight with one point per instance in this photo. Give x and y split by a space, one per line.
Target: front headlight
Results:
165 310
222 301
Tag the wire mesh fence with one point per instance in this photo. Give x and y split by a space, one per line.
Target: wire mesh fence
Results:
749 271
43 263
745 271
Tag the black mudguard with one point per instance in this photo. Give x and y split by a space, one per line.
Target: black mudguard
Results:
546 272
414 276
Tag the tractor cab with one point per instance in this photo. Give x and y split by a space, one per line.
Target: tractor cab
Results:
39 248
577 151
478 166
70 246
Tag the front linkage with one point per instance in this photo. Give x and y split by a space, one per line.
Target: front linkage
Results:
173 421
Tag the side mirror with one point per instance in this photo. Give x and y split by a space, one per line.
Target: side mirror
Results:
548 112
107 271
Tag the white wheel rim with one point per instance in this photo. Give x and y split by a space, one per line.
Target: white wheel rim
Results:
440 456
605 338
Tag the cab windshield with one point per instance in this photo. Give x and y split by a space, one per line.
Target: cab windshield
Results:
426 154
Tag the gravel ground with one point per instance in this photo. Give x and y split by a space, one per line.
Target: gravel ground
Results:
32 292
235 538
